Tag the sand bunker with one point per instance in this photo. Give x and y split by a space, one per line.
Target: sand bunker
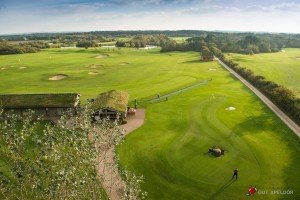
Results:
298 58
95 66
230 108
3 68
212 69
124 63
93 73
102 56
58 77
149 47
22 67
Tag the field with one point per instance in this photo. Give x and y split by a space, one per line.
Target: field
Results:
282 67
170 150
179 39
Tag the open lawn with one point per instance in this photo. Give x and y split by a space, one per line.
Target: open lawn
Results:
131 70
170 150
282 67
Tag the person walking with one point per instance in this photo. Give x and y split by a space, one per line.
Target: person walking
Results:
235 174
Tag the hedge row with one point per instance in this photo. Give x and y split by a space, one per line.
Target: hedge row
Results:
283 97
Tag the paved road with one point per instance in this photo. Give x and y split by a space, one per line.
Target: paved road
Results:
290 123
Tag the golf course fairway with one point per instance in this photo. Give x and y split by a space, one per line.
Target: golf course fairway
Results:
170 149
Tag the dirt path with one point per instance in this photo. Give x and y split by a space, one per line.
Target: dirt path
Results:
290 123
112 181
134 121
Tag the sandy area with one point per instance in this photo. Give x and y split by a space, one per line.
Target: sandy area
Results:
298 58
212 69
230 108
93 73
109 46
102 56
22 67
3 68
95 66
112 181
149 47
58 77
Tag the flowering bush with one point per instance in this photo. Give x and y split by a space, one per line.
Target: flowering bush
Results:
47 161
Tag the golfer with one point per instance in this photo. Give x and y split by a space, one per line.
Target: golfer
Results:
235 174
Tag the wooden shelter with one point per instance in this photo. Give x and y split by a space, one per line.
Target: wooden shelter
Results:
47 105
112 104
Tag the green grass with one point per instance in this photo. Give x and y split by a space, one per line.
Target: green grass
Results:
281 67
130 70
179 39
170 149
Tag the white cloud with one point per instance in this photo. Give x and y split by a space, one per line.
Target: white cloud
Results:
283 17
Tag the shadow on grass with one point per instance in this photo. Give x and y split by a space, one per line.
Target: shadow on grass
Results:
194 61
255 124
78 50
222 188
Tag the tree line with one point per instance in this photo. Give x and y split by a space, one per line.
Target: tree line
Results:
283 97
140 41
248 44
20 48
87 43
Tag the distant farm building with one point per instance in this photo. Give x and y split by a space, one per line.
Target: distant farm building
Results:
46 105
112 104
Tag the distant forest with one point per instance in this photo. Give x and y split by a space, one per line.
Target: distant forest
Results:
237 42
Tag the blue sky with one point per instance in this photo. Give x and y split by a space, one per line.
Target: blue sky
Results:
23 16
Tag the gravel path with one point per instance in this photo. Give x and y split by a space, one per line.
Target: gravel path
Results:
290 123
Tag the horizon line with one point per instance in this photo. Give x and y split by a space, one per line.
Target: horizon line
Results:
141 30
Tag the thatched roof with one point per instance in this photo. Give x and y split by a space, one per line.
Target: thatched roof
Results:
66 100
116 100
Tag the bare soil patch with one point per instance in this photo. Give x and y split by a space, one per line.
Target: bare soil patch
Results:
93 73
3 68
58 77
102 56
134 121
112 181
